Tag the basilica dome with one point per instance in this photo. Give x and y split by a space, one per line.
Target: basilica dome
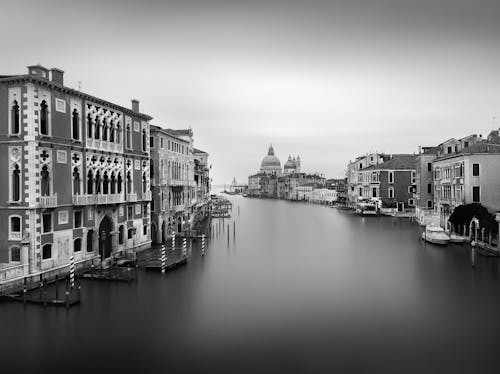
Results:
271 163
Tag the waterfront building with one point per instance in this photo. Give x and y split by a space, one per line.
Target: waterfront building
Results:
76 171
173 183
355 182
324 195
236 187
466 171
340 186
254 184
392 182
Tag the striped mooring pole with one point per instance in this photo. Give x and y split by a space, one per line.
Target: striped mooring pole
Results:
173 241
163 258
184 246
203 244
72 272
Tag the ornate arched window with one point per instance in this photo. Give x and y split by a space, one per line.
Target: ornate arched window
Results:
75 124
44 118
119 184
118 134
45 181
113 183
105 183
97 132
76 181
16 183
104 129
90 182
129 182
89 126
97 182
15 118
111 131
129 137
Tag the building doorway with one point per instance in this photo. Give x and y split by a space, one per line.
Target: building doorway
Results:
163 232
401 207
153 233
105 244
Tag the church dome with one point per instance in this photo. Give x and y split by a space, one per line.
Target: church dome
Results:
270 162
289 164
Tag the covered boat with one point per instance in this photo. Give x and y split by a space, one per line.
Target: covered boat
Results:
435 235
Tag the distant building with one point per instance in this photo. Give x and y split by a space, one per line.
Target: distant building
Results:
392 181
355 183
292 165
237 188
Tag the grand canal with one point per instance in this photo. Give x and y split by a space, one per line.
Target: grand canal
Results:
299 288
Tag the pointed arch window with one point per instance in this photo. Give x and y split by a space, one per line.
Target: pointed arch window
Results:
44 118
45 182
129 182
118 134
113 183
89 126
16 183
97 133
90 183
75 124
119 185
15 118
104 129
105 183
129 137
76 181
97 182
111 131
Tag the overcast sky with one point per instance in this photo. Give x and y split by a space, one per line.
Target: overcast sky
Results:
328 80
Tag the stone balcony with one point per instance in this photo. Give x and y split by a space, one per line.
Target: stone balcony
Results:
146 195
48 201
178 208
98 199
132 197
103 145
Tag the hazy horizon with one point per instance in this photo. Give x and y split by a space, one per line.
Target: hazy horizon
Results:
326 80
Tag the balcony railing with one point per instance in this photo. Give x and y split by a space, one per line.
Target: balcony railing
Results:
48 201
97 199
178 208
132 197
146 195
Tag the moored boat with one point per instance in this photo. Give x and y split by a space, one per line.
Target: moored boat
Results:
454 238
435 235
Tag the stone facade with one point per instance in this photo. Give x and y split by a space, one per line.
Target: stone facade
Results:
78 174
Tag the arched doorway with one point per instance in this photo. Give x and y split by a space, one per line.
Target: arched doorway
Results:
179 224
163 232
105 245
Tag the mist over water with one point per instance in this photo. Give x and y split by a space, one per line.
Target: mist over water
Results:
300 288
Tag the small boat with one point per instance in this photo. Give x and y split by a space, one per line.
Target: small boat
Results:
367 207
435 235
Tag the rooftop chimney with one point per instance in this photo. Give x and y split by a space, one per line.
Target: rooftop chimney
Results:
135 105
57 76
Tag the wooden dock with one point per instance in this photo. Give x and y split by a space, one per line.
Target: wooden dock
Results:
151 259
170 263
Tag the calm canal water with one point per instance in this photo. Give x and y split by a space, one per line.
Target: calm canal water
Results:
301 288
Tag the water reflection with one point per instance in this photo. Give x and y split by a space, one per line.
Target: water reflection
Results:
299 288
